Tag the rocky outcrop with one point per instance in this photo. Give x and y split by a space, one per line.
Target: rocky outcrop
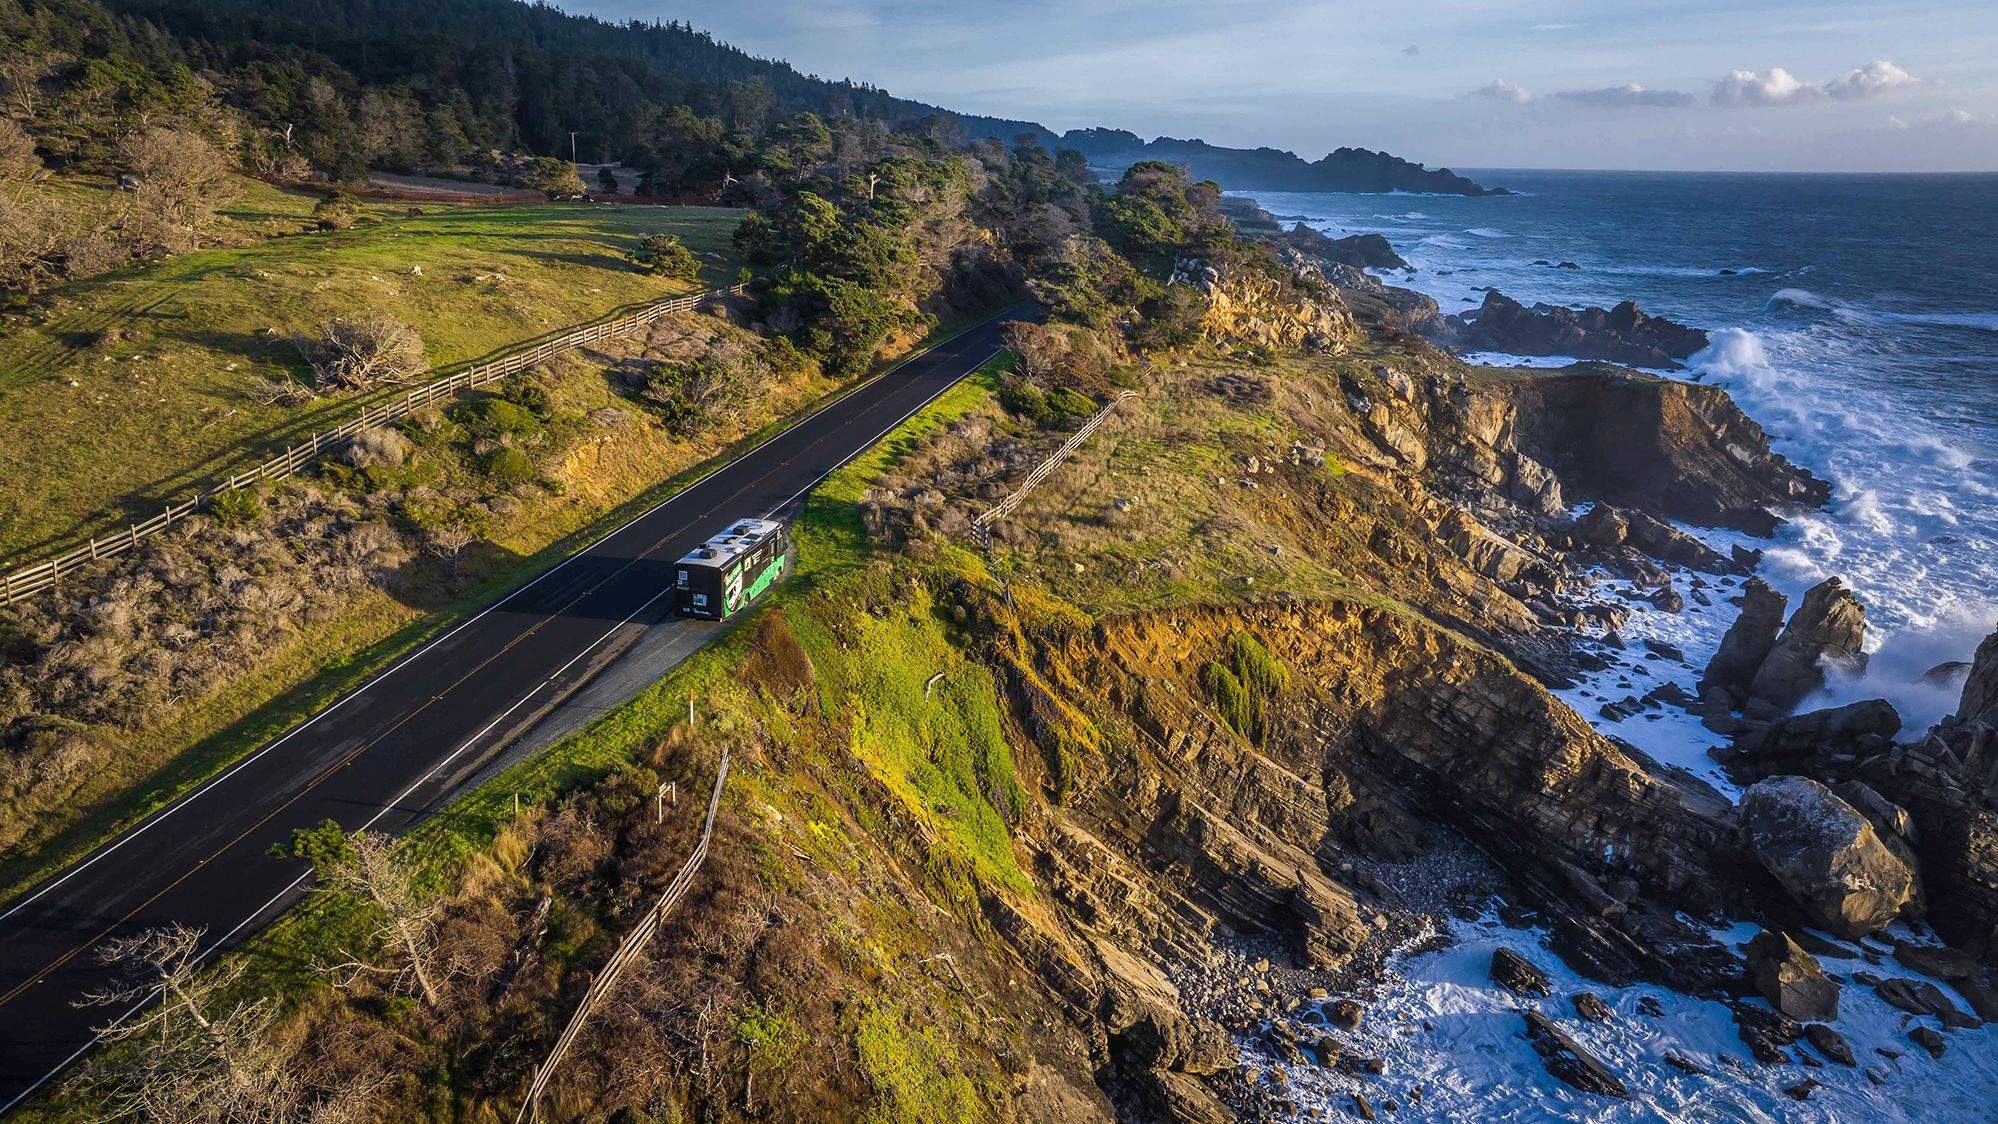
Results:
1606 527
1245 306
1517 974
1568 1061
1827 856
1411 715
1980 689
1677 450
1790 979
1828 628
1358 251
1618 335
1747 643
1818 743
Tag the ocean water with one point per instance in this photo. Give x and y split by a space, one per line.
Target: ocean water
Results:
1855 317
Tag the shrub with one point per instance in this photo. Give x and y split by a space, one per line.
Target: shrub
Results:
1258 670
337 211
509 467
497 417
1028 401
237 507
1066 401
552 176
1240 709
376 447
528 394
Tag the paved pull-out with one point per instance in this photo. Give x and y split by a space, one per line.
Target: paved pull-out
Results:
390 751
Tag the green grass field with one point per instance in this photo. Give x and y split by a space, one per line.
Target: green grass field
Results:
132 389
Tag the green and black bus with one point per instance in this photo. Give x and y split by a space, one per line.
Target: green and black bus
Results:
721 576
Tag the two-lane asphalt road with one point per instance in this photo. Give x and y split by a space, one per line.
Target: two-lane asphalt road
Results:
391 750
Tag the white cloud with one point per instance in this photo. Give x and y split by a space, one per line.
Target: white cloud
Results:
1627 96
1875 78
1780 87
1502 90
1896 123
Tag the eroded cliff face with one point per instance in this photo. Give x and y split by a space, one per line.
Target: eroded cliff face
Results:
1418 600
1246 306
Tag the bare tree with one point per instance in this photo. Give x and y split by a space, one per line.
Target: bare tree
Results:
183 177
19 166
1040 349
364 866
449 542
364 352
191 1054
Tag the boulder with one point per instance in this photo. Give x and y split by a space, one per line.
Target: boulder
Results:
1747 642
1345 1014
1667 543
1828 628
1765 1032
1790 979
1829 1043
1920 997
1827 856
1568 1061
1937 963
1517 974
1929 1040
1591 1007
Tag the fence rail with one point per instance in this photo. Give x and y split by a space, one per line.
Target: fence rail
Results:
633 944
981 526
48 574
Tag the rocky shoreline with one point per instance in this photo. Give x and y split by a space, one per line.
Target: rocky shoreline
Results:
1842 837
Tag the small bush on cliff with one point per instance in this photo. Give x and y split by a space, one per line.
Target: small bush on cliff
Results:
1241 709
1259 671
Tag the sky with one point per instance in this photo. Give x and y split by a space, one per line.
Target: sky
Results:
1750 85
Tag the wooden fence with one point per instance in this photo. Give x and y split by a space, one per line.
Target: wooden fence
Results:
408 194
634 943
981 526
41 576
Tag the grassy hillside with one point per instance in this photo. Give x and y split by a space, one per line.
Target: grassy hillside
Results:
131 389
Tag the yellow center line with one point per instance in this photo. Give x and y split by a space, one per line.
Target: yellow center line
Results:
66 957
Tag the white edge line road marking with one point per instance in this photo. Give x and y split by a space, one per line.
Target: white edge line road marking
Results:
455 754
180 802
877 438
98 1036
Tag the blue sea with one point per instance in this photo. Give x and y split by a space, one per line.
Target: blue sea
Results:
1854 316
